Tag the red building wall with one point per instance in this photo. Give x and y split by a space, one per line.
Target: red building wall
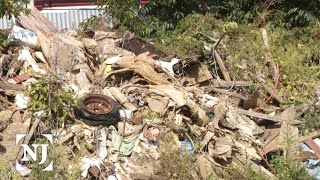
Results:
60 3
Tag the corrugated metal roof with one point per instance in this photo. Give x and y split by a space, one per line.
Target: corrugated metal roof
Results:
64 18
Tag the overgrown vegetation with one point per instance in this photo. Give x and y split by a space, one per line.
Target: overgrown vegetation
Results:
3 39
172 164
12 7
49 95
146 20
9 8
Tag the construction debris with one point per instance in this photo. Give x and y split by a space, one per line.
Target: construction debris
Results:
136 106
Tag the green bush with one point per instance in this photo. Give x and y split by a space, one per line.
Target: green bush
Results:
164 15
12 7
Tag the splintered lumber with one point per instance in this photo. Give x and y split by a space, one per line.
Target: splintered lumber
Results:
220 83
313 146
36 22
223 68
312 135
275 95
239 161
144 66
206 139
116 93
8 86
264 116
226 92
181 99
29 136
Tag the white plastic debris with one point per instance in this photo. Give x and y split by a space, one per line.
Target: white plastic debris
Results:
26 56
21 101
112 178
101 147
126 113
23 37
39 113
112 60
168 65
86 163
23 170
209 100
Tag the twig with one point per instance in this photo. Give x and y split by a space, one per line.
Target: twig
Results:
210 159
221 38
222 67
29 135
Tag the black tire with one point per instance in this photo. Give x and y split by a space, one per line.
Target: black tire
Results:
107 119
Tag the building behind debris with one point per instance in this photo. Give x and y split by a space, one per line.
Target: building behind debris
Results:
65 14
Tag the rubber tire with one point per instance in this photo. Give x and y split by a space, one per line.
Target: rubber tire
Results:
110 118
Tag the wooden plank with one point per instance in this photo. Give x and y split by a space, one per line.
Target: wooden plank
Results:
221 83
240 161
29 136
265 116
36 22
116 93
312 135
275 96
9 86
226 92
206 139
223 68
313 146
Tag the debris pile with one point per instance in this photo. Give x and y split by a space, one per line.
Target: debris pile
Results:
135 106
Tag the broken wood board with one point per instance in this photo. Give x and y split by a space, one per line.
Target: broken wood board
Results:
219 112
239 162
144 66
312 135
135 44
36 22
277 138
206 139
205 168
198 72
251 102
29 136
246 127
9 86
181 99
221 83
223 68
275 95
229 93
116 93
313 146
265 116
221 147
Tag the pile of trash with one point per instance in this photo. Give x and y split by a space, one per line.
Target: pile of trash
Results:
136 105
